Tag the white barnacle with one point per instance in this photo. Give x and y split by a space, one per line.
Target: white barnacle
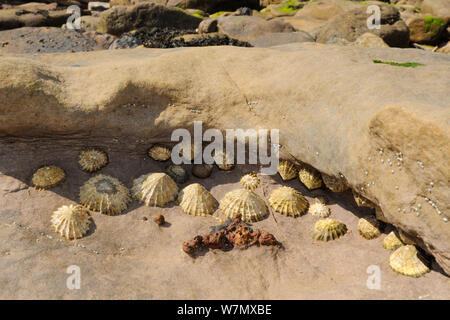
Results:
445 219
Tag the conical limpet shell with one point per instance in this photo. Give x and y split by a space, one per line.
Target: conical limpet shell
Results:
195 200
287 170
92 159
288 201
104 194
159 153
224 160
328 229
369 228
362 201
319 210
392 241
310 178
335 184
177 173
71 222
155 189
407 261
250 181
47 177
243 201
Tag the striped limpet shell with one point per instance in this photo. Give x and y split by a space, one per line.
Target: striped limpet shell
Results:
159 153
328 229
408 261
287 170
92 159
155 189
319 210
244 202
369 227
71 222
288 201
250 181
310 178
47 177
392 241
335 184
104 194
195 200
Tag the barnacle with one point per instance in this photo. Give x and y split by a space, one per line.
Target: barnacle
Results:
310 178
195 200
250 181
104 194
407 261
288 201
287 170
369 227
159 153
392 241
155 189
244 202
328 229
319 210
47 177
71 222
335 184
92 159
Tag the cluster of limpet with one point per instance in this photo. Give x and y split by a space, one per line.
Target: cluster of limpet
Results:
319 209
328 229
288 201
369 227
310 178
287 170
105 194
250 181
159 153
244 202
195 200
224 160
47 177
335 184
407 261
71 222
392 241
92 160
155 189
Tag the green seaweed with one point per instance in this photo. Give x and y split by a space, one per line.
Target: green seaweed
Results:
218 14
405 64
433 21
290 6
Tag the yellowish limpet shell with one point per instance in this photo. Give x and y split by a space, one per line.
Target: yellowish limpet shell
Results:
310 178
159 153
392 241
71 222
407 261
288 201
244 202
224 160
155 189
195 200
250 181
104 194
328 229
319 210
47 177
92 160
287 170
335 184
369 228
361 201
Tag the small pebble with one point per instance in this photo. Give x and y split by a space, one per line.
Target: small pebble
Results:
159 219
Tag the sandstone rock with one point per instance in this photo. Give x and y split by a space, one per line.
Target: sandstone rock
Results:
114 3
276 39
212 6
370 40
247 28
444 49
102 39
353 23
32 17
426 30
120 19
439 8
98 6
207 26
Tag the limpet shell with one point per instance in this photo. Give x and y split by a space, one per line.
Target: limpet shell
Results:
224 160
195 200
362 201
328 229
250 181
243 201
319 210
47 177
92 159
392 241
159 153
155 189
287 170
71 222
288 201
335 184
369 228
104 194
310 178
177 173
407 261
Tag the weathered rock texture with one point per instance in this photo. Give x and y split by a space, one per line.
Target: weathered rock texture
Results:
336 110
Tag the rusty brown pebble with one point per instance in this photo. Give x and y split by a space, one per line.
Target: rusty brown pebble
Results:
159 219
202 170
